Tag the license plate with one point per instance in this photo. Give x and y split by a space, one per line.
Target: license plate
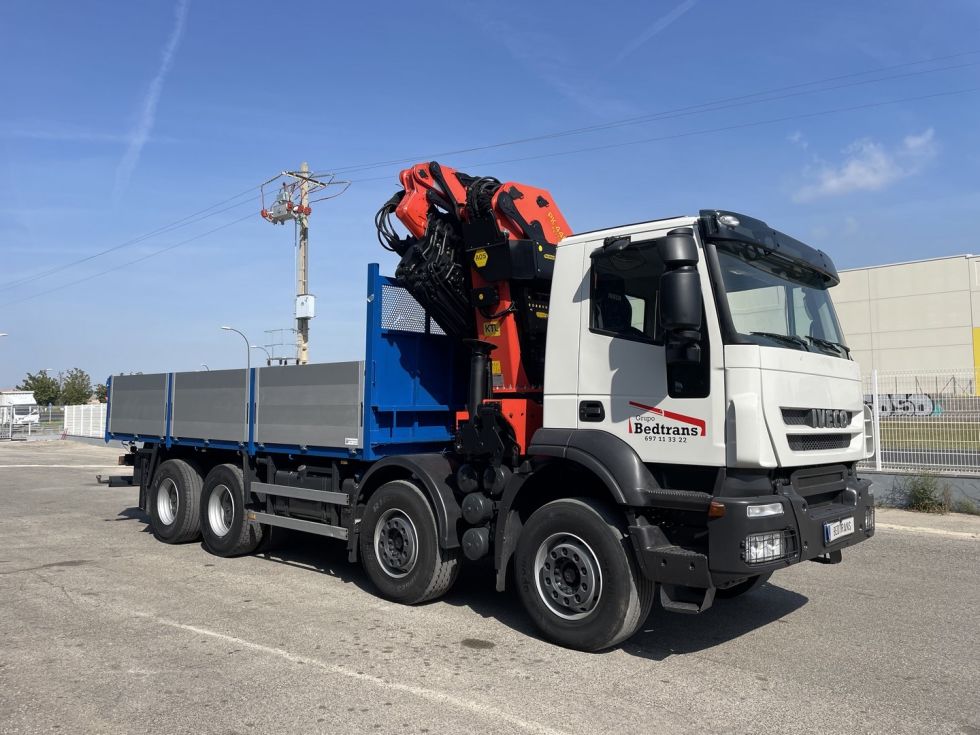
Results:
838 529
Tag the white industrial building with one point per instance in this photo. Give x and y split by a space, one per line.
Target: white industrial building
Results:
922 316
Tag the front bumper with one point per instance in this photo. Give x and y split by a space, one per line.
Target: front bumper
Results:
802 525
809 501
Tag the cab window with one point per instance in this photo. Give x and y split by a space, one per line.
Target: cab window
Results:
624 293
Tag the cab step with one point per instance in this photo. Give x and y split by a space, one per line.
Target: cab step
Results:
686 600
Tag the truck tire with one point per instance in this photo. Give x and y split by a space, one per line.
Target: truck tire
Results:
224 528
173 502
577 576
752 583
399 546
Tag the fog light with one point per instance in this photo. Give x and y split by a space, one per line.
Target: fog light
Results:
869 518
763 547
762 511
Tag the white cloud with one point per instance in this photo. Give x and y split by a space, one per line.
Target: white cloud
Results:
797 138
869 166
148 112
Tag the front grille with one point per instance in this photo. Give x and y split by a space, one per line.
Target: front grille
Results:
814 417
820 485
795 416
817 442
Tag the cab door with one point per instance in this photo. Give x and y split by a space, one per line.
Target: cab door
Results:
625 385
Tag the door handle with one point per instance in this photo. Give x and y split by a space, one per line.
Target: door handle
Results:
591 411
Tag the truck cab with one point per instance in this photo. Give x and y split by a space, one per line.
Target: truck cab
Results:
702 355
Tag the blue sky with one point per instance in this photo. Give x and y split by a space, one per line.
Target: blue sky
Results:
121 118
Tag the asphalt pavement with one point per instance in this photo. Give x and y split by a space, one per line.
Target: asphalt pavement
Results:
105 630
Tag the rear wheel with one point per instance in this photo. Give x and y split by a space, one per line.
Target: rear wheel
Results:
224 527
399 546
577 576
173 502
752 583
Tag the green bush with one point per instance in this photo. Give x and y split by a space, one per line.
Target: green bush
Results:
965 505
926 495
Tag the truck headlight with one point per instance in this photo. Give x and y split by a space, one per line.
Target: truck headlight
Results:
763 547
764 510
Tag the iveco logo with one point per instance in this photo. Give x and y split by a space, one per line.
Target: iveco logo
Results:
827 418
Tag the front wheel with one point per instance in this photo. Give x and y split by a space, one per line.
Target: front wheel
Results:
577 576
399 546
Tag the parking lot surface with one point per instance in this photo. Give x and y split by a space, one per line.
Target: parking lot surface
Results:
104 629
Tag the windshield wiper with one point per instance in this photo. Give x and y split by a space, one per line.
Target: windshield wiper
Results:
839 348
791 339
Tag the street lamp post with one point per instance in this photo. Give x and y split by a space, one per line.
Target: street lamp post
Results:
268 357
248 370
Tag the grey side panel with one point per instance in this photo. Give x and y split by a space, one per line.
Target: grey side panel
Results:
310 405
138 404
297 524
209 405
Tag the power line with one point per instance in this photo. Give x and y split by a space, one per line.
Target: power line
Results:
707 131
770 95
692 133
176 225
720 104
166 249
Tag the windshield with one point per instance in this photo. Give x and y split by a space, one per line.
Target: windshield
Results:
778 302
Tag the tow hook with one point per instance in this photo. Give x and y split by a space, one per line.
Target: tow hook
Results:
831 557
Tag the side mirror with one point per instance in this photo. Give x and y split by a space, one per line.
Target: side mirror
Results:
680 297
678 249
680 300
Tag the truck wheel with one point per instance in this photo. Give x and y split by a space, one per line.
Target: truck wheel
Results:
225 529
577 576
399 546
741 588
173 502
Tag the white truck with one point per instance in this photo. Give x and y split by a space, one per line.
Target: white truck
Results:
663 406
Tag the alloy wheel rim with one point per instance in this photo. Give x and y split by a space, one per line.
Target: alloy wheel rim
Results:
168 501
221 510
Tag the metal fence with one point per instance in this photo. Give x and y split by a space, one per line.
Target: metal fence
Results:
88 420
11 429
925 421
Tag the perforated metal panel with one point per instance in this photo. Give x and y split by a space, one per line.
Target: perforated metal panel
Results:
816 442
400 311
209 405
138 405
310 405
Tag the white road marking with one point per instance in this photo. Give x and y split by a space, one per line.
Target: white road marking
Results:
60 466
924 529
432 695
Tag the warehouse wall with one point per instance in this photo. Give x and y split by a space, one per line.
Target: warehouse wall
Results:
918 316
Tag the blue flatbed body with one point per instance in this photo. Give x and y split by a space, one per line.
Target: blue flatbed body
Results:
401 399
